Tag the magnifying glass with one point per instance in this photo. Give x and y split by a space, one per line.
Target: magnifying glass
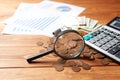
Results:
68 44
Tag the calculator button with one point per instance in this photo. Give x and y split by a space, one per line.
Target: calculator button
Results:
117 54
99 36
108 45
105 40
92 40
101 42
118 37
102 35
114 50
115 41
104 47
94 34
98 32
98 44
96 38
88 37
109 38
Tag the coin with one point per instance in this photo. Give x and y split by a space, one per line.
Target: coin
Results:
87 55
76 37
72 63
58 44
92 57
58 67
76 68
93 51
104 62
61 61
82 32
99 56
86 49
86 66
62 40
72 44
71 52
62 50
108 59
46 45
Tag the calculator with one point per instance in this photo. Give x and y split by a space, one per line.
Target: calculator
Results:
106 39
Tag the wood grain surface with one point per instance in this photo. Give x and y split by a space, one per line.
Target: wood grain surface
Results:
15 48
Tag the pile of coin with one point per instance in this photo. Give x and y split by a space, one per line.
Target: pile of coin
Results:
68 45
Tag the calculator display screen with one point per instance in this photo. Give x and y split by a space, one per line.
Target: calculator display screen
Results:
115 23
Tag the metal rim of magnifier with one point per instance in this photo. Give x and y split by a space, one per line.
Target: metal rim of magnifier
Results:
77 54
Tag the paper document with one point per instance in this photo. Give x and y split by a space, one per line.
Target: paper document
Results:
42 18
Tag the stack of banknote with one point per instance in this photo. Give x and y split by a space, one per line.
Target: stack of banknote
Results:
85 23
88 24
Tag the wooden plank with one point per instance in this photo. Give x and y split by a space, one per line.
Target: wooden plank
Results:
46 73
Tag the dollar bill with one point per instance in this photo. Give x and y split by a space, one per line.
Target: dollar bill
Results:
81 20
85 23
92 23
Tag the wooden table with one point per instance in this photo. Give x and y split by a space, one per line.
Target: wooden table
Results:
15 48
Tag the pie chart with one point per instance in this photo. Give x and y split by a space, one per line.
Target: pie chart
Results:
63 8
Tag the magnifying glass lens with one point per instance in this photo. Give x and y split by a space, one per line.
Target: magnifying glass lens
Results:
69 45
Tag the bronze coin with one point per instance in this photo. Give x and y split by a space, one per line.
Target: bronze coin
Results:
93 51
58 44
61 61
79 63
83 32
76 68
72 44
92 57
87 55
104 62
63 40
72 63
71 52
86 66
86 49
76 37
59 67
61 50
108 59
99 56
46 45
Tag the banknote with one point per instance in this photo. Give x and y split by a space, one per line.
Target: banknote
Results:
85 23
89 24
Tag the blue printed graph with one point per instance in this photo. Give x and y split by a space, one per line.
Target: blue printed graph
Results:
63 8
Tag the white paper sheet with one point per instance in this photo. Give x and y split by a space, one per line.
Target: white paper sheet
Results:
42 18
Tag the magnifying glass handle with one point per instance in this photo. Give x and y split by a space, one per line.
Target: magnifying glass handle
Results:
39 55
